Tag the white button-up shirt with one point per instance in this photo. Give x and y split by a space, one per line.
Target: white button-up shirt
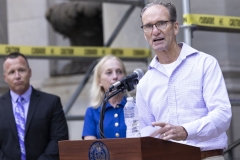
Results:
194 96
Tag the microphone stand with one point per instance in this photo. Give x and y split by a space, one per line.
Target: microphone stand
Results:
104 107
127 84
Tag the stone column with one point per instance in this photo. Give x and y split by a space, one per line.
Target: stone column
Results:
3 40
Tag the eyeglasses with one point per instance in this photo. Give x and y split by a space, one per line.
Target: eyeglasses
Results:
160 25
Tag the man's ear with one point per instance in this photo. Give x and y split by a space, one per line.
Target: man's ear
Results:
145 37
176 27
5 79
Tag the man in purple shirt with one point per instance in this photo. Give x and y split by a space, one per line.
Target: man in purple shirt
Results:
183 93
30 129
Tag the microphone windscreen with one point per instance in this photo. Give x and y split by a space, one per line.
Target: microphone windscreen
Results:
139 72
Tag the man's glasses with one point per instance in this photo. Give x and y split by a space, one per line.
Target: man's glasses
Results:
160 25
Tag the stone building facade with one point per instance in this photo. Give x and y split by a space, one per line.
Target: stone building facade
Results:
24 23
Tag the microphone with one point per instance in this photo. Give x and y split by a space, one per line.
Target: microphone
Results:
129 81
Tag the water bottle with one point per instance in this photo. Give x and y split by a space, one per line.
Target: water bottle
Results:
131 118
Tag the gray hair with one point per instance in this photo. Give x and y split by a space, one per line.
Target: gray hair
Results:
170 7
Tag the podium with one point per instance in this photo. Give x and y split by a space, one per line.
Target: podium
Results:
144 148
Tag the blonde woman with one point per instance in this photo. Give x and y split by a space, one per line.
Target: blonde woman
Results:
109 70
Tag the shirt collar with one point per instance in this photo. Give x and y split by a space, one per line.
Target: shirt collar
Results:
25 95
121 104
186 50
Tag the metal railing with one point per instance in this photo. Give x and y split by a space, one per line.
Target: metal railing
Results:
229 151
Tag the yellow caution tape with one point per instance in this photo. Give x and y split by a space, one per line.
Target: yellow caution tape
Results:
212 21
68 52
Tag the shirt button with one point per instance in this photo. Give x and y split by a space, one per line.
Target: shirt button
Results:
117 106
115 115
117 134
116 124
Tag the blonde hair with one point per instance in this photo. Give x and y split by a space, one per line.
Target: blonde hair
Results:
97 92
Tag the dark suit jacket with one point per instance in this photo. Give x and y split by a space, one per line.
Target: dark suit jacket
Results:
45 126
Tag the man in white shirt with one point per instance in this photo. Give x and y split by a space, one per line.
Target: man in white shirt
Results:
183 92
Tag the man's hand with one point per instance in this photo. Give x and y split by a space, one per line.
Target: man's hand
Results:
168 131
